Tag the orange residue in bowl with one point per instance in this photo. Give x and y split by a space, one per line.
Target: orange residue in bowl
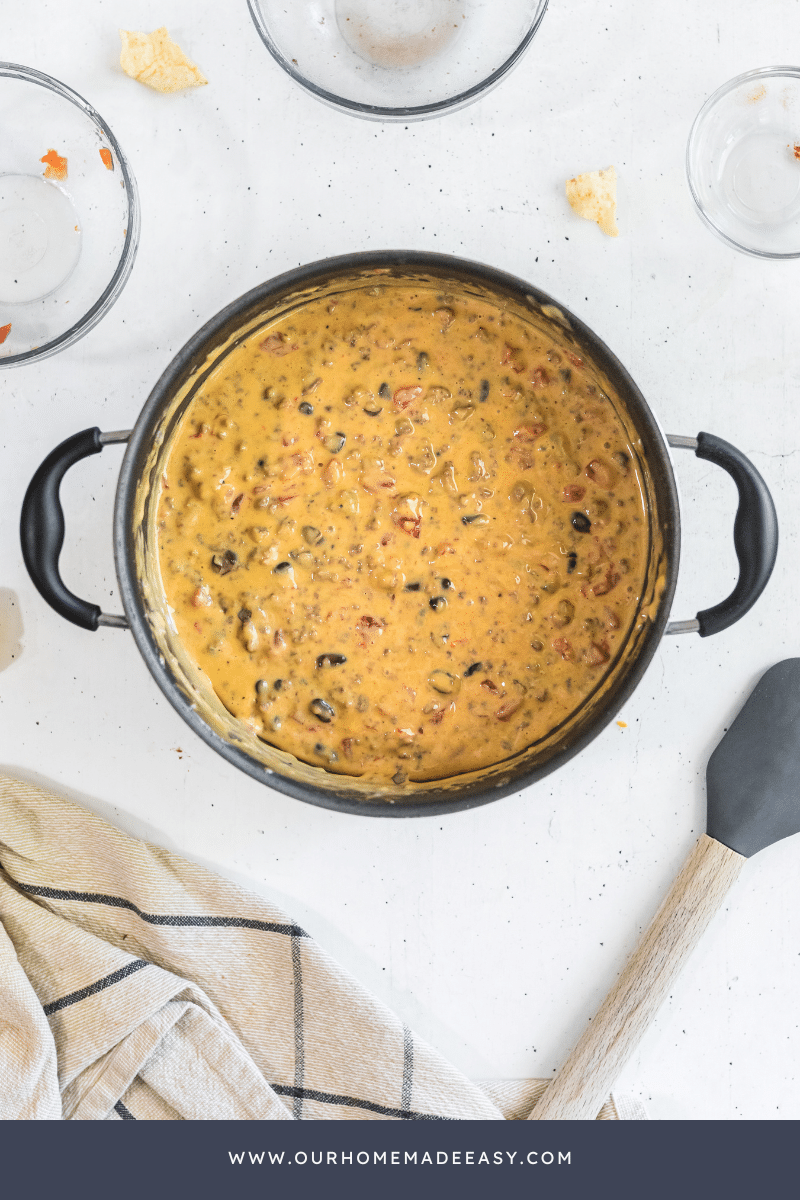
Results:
108 161
56 167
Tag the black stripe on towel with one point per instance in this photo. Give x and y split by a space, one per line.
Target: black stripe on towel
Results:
352 1102
98 986
124 1112
159 918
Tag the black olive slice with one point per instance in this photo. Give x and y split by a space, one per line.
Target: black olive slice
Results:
224 563
330 660
322 710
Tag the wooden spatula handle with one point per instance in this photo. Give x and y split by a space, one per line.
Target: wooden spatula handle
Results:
581 1087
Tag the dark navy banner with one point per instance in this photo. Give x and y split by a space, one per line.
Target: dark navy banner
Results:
413 1160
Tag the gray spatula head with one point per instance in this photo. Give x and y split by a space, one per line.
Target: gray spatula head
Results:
753 776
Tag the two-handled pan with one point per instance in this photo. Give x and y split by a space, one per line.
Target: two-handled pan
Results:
754 532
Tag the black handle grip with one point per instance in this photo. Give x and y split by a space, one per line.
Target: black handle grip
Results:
755 534
42 528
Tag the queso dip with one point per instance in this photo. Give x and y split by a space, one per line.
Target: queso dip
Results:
402 533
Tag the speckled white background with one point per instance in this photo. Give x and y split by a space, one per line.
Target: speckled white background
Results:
495 933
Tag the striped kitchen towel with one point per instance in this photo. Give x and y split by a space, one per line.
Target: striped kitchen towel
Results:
137 985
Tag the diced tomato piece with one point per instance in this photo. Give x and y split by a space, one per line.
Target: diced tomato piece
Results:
406 395
277 344
599 473
529 433
511 358
508 708
596 654
607 583
202 597
368 629
409 525
564 648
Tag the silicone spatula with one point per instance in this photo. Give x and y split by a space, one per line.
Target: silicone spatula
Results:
753 788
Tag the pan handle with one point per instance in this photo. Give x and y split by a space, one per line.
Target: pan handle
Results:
42 528
755 534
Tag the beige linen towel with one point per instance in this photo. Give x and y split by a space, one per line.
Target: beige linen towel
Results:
135 985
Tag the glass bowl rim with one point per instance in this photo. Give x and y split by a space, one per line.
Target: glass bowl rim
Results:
723 90
414 112
123 268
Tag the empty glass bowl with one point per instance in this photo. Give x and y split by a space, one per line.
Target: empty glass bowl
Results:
69 216
397 60
743 162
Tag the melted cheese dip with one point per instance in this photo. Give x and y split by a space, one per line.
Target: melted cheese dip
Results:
402 533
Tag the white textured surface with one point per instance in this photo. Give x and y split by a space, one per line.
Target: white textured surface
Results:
494 933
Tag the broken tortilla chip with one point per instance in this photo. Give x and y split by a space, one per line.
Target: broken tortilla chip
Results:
154 59
594 196
5 330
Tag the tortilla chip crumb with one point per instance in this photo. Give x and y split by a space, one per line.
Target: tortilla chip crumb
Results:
5 330
622 724
56 166
154 59
108 161
593 195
